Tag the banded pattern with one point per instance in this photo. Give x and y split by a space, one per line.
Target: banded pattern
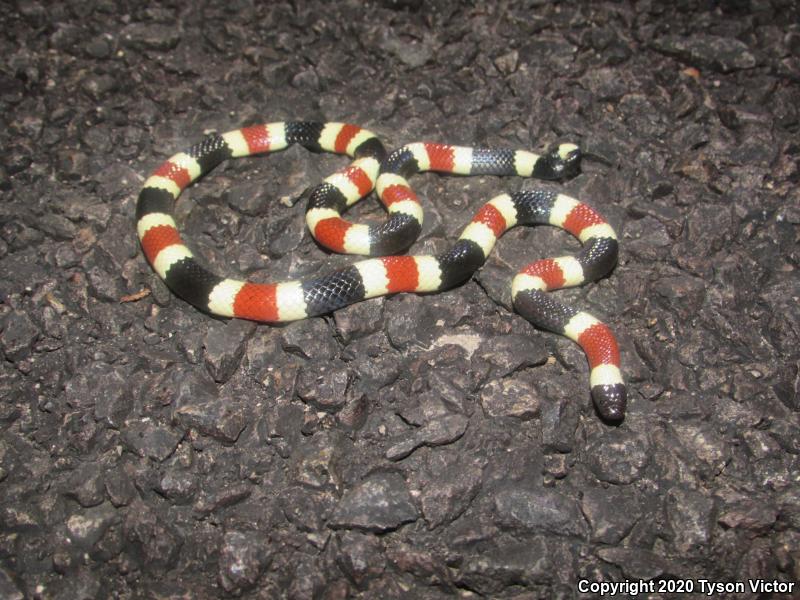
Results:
159 236
300 299
403 205
597 257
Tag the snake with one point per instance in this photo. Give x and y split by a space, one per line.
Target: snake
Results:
387 271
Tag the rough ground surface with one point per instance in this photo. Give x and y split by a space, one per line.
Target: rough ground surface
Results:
412 447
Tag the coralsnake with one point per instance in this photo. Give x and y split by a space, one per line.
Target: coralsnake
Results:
389 273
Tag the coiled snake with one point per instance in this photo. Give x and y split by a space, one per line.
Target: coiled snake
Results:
389 273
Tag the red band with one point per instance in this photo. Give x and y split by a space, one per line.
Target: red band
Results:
330 233
492 218
600 346
548 270
359 177
157 238
402 273
344 138
581 217
441 157
257 301
177 174
257 138
397 193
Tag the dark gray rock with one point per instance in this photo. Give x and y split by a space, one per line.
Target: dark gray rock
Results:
611 513
309 339
682 293
510 565
72 165
18 336
324 387
97 86
689 513
447 489
413 54
705 444
242 559
559 422
409 321
5 185
359 320
154 540
308 579
86 528
618 456
224 345
225 496
511 398
8 586
98 47
789 504
84 584
637 563
437 432
154 440
86 485
511 353
247 198
199 407
538 510
102 274
282 429
354 413
150 36
751 515
555 466
57 227
282 238
119 487
379 503
716 53
178 486
360 557
112 397
422 565
316 462
307 509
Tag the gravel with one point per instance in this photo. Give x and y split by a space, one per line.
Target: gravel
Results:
423 447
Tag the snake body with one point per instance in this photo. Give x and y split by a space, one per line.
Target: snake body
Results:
387 273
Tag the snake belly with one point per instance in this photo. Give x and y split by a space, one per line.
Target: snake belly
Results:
387 273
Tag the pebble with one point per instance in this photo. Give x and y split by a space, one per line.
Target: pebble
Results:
360 557
440 431
611 513
18 336
85 529
242 559
380 503
618 457
538 510
447 489
689 513
150 439
712 52
224 346
150 36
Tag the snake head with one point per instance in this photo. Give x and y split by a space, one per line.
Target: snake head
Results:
570 156
610 401
560 162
